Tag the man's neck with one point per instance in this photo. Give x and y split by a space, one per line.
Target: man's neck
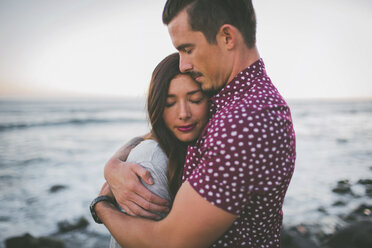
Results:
245 57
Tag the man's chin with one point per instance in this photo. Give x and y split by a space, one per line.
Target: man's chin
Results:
211 92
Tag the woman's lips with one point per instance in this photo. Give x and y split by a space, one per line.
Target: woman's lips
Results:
186 128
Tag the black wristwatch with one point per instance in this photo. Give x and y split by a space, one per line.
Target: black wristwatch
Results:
95 201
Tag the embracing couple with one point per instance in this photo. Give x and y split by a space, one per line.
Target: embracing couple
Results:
215 168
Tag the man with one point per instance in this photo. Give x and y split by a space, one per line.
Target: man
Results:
237 173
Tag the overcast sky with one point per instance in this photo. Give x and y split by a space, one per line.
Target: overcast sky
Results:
49 48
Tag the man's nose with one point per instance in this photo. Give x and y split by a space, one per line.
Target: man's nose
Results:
185 64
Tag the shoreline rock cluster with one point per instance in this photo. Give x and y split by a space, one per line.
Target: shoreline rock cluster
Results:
27 240
52 241
352 229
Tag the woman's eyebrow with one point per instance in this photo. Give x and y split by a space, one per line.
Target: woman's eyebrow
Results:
193 92
188 93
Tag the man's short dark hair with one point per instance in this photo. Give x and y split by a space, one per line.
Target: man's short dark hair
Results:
208 16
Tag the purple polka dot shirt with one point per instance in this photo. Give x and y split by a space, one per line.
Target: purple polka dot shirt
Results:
244 159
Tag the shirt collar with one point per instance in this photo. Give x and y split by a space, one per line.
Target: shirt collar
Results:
242 82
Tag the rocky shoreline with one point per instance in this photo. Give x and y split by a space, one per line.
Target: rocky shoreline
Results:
351 229
69 235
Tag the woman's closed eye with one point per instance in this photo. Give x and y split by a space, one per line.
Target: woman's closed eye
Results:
196 97
196 101
169 104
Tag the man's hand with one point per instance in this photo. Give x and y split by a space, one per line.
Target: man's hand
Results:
129 192
106 190
202 223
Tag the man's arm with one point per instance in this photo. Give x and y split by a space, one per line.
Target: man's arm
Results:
129 192
123 152
192 222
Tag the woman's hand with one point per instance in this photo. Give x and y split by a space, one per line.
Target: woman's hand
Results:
129 192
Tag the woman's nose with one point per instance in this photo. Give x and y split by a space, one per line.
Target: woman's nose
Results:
184 112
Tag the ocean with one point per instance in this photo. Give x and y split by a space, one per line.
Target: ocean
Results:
63 145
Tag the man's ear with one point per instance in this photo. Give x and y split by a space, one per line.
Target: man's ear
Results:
227 36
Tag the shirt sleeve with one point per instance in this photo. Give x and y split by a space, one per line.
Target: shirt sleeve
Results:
150 156
244 152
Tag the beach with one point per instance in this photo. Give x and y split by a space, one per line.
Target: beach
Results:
52 154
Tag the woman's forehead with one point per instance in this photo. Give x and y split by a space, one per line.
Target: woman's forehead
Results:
183 83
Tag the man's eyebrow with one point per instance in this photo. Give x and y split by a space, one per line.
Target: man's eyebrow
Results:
183 46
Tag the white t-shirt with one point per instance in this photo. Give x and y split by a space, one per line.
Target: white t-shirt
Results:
150 156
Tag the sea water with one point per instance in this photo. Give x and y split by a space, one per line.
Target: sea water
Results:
66 143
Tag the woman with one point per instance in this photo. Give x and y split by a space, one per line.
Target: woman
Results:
178 112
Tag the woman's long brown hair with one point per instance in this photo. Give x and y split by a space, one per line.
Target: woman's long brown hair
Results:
164 72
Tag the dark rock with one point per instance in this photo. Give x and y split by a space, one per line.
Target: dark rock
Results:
326 227
342 190
50 243
31 200
56 188
339 203
22 241
345 181
83 238
363 212
365 181
355 236
343 187
368 186
322 210
4 218
28 241
341 140
297 237
369 190
66 226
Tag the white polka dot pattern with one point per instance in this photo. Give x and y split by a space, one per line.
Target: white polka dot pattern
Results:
244 160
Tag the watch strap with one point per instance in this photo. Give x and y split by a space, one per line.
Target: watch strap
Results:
94 203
